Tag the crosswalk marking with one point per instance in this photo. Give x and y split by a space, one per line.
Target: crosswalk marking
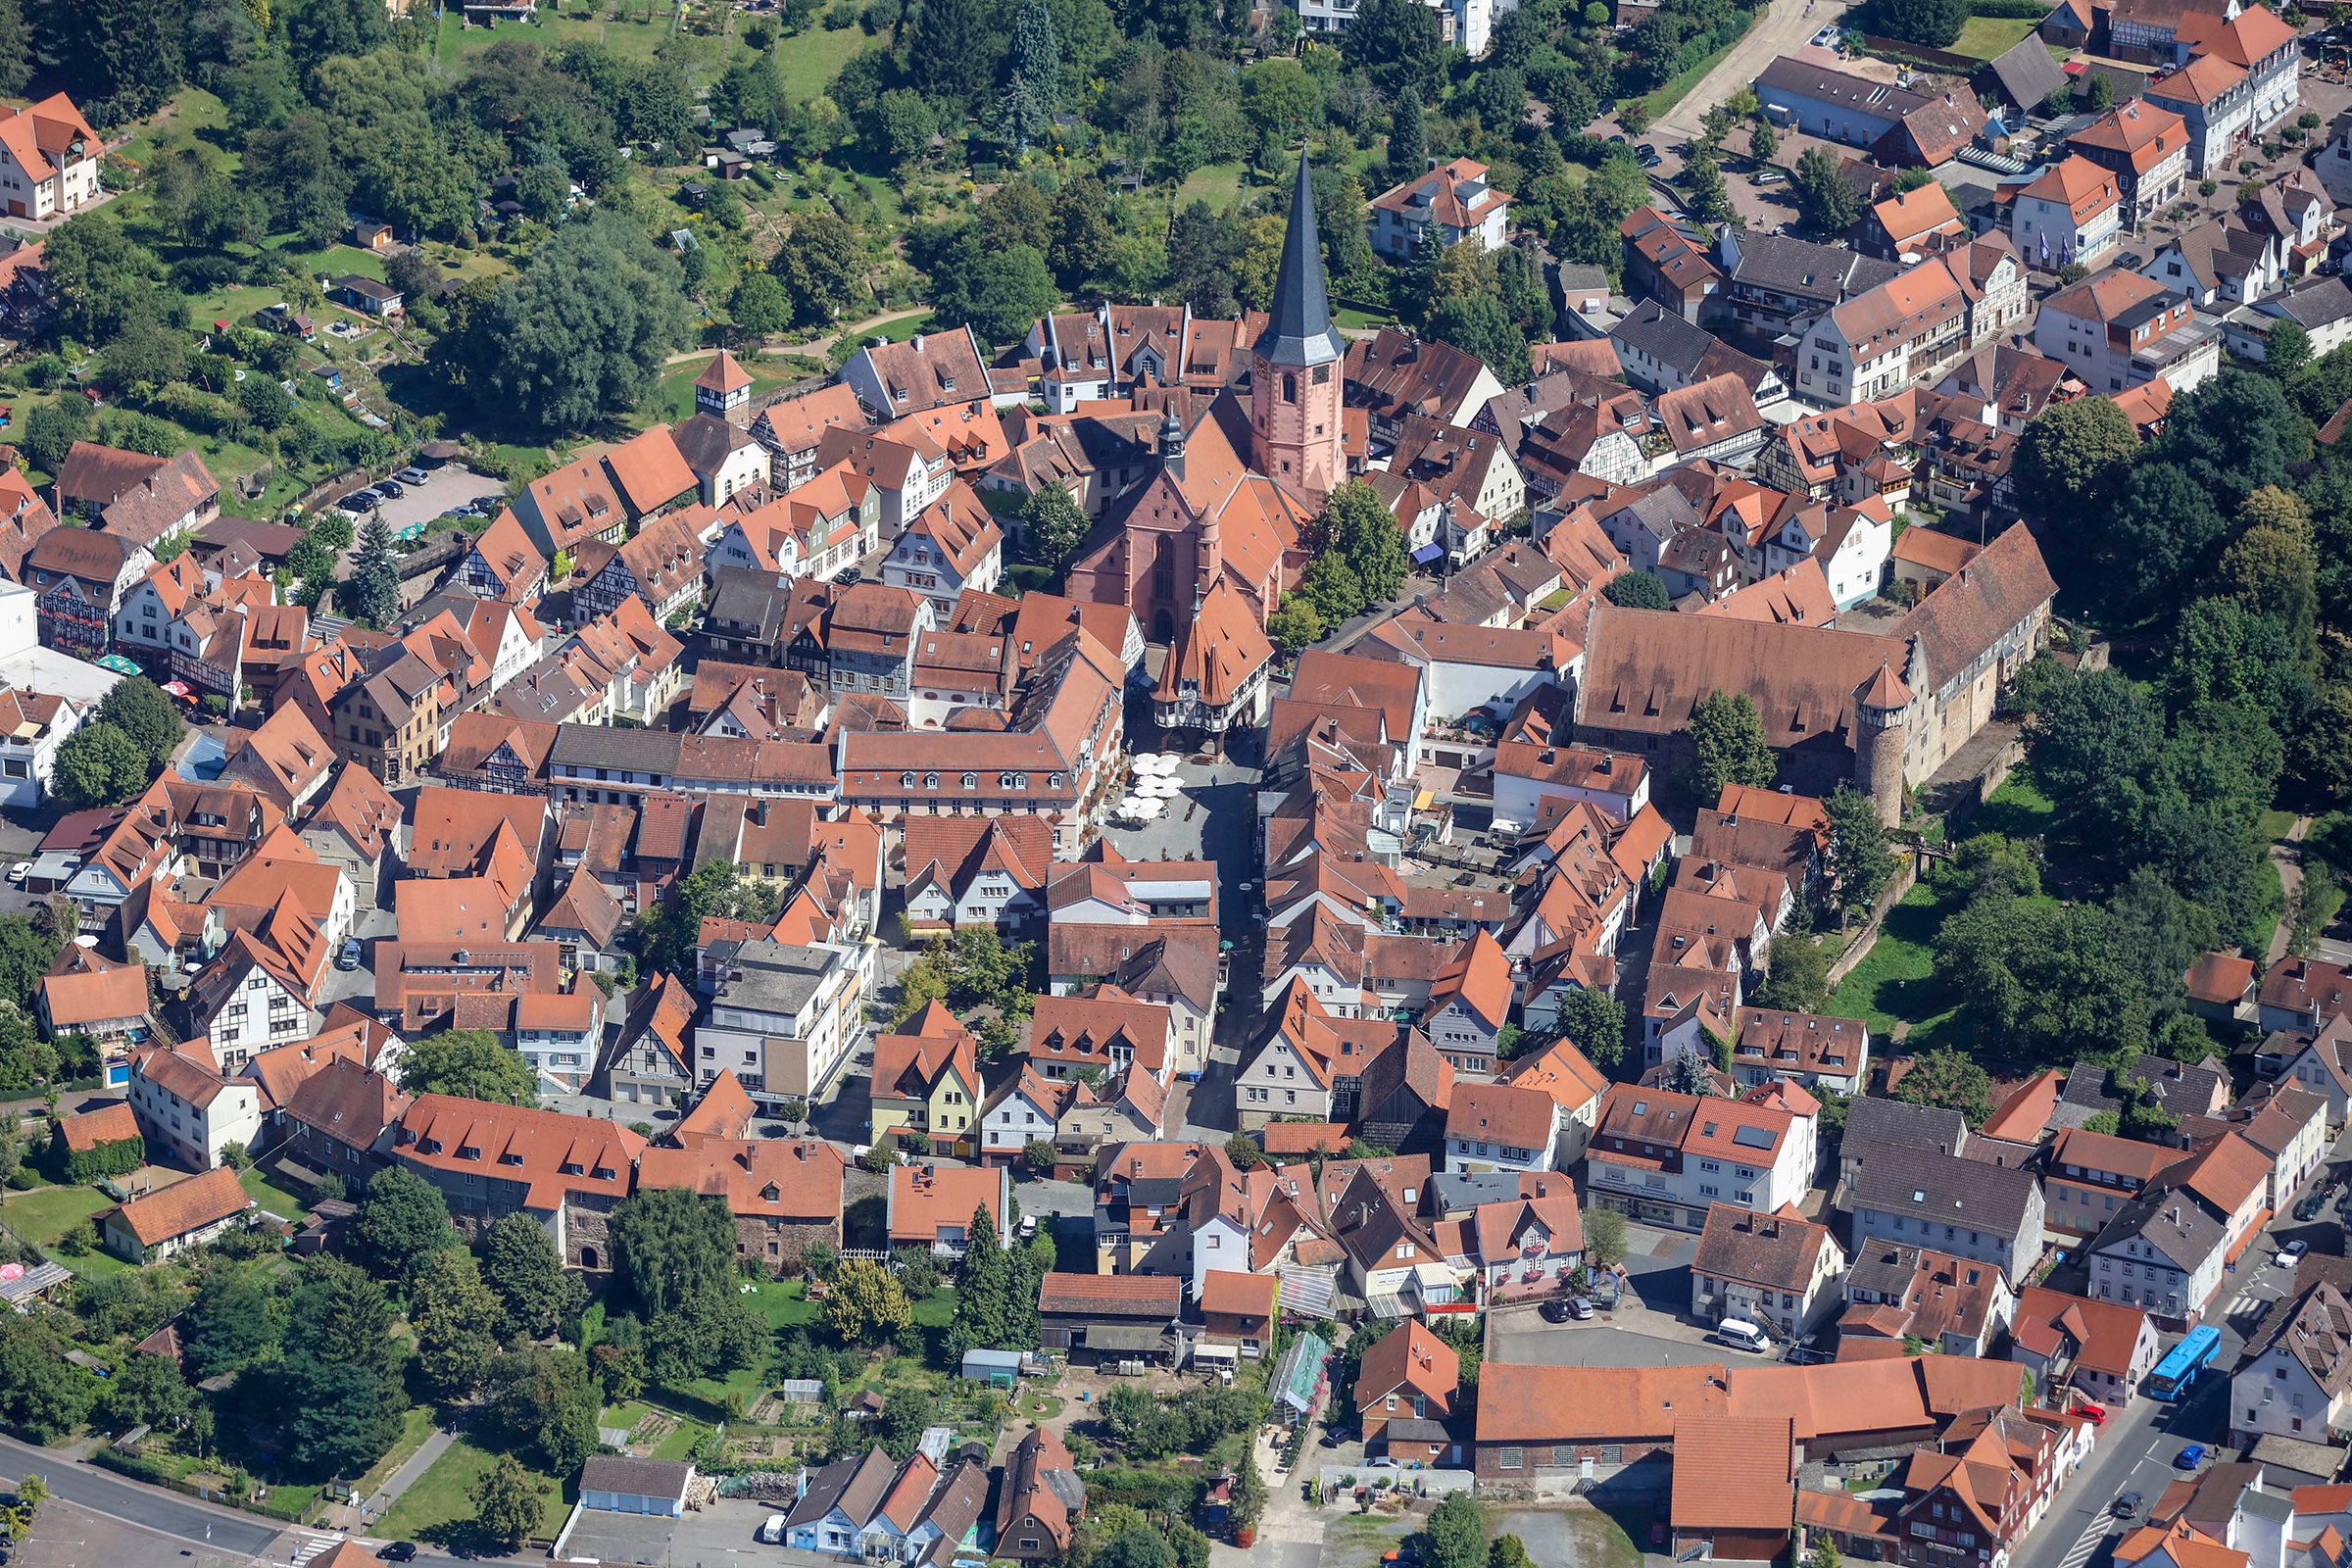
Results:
2085 1546
314 1546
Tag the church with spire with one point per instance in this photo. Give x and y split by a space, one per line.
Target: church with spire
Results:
1203 551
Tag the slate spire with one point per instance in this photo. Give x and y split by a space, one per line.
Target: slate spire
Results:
1298 329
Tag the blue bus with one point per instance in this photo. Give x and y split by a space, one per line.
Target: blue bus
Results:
2184 1362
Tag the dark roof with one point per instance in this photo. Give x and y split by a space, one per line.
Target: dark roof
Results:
2029 73
1871 1120
1946 1189
2179 1226
2322 302
1664 336
1787 264
856 1485
634 1476
1298 329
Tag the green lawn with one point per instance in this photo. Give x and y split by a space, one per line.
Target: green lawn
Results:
1988 37
2275 825
2018 809
274 1194
1218 184
936 1310
442 1496
634 37
812 59
46 1213
1356 318
679 1444
785 1303
1897 981
416 1425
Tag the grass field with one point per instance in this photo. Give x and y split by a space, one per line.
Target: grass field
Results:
416 1425
2018 809
1989 38
1897 981
46 1213
785 1303
274 1194
2274 826
442 1496
1218 184
679 1444
812 59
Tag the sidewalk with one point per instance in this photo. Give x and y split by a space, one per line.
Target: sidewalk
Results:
359 1515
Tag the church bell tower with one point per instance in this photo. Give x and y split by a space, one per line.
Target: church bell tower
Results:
1296 366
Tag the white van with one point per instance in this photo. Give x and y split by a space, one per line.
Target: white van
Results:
1741 1334
772 1532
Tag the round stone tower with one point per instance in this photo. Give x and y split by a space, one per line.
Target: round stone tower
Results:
1882 728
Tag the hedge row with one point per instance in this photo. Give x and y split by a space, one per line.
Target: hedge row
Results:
2020 10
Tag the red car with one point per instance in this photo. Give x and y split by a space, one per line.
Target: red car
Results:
2095 1414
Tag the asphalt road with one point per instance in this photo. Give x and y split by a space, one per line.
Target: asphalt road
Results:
1782 31
152 1509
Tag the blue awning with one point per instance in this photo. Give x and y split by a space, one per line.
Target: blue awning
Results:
1428 552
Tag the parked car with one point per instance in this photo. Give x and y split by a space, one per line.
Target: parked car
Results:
1580 1308
18 872
1381 1464
1554 1311
2291 1254
398 1551
2310 1207
360 501
412 474
1648 161
1767 176
1826 37
2191 1455
2127 1505
2093 1412
391 487
348 957
1646 150
843 579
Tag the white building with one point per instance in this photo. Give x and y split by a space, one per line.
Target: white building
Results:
32 727
1468 24
1501 1127
2295 1379
188 1112
1456 202
1666 1159
49 159
2121 329
785 1020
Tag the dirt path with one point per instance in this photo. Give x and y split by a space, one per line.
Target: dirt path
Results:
2287 855
818 347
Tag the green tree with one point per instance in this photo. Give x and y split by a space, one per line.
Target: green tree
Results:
52 428
2288 349
868 1305
760 305
1359 528
1933 23
340 1314
1136 1546
43 1394
1829 201
373 593
455 1316
672 1246
582 333
1455 1536
472 1064
144 356
1594 1022
1249 1496
100 765
99 277
1946 1078
1399 44
2073 455
983 1292
401 1224
265 401
1799 978
2095 746
121 56
138 707
1726 736
1508 1551
147 1390
1294 624
1638 590
1605 1238
941 58
234 1322
1054 522
541 1401
1000 292
1860 862
1823 1553
1408 142
338 1418
311 559
520 1263
822 268
508 1502
1332 587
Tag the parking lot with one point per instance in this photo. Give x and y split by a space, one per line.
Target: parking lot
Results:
720 1532
450 485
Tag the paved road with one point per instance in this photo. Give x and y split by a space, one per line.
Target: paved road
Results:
115 1497
2137 1447
2287 852
1784 29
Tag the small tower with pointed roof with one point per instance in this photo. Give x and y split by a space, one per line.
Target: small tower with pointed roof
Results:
1296 373
1881 730
724 390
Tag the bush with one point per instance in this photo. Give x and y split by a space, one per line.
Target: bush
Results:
81 1167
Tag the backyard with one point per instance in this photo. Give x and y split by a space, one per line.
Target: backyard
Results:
1990 38
440 1502
1896 982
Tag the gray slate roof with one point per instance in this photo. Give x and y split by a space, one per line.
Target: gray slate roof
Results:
1944 1189
1873 1120
1298 329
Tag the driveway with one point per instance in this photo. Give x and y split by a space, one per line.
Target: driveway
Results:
1782 31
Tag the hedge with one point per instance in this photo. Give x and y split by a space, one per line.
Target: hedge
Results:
83 1166
1153 1491
2016 10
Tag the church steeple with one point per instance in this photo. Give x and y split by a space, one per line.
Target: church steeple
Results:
1296 373
1298 329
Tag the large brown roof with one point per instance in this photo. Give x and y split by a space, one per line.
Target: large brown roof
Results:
1647 672
185 1207
1734 1473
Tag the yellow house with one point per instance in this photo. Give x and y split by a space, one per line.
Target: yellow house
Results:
927 1085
